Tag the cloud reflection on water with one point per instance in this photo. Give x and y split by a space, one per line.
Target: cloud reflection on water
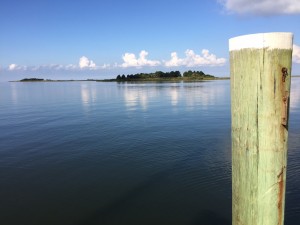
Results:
14 93
88 95
172 94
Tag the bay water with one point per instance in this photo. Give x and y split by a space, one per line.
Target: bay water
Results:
124 153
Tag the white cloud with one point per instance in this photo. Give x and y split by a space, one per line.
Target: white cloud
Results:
174 61
296 54
262 7
192 59
84 62
14 66
130 60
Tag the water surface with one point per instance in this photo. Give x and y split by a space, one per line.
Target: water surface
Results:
123 153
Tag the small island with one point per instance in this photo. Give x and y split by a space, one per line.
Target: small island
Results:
31 79
49 80
173 76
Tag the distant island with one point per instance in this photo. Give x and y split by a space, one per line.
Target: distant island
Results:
49 80
173 75
31 79
156 76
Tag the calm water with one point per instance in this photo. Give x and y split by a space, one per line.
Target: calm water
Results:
131 153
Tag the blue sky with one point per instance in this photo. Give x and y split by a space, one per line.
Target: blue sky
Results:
100 39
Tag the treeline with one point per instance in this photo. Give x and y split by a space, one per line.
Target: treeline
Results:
32 79
160 74
196 74
157 74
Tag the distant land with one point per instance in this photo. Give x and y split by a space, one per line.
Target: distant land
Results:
156 76
49 80
173 75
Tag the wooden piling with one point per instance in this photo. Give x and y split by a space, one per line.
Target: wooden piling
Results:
260 71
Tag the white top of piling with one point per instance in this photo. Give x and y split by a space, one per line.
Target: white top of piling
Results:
276 40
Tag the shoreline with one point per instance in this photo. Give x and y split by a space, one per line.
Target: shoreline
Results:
127 80
135 80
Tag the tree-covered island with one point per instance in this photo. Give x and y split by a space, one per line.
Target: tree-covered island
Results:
32 79
173 75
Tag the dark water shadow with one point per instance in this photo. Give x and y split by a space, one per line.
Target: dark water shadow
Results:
209 217
105 214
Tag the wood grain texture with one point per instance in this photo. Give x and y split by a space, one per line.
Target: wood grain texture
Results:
259 139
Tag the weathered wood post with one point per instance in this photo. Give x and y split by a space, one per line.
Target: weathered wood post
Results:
260 68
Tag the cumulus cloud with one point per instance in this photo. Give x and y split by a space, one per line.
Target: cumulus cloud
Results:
296 54
84 63
192 59
14 66
174 61
130 60
262 7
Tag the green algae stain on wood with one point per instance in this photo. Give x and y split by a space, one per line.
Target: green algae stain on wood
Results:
259 102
